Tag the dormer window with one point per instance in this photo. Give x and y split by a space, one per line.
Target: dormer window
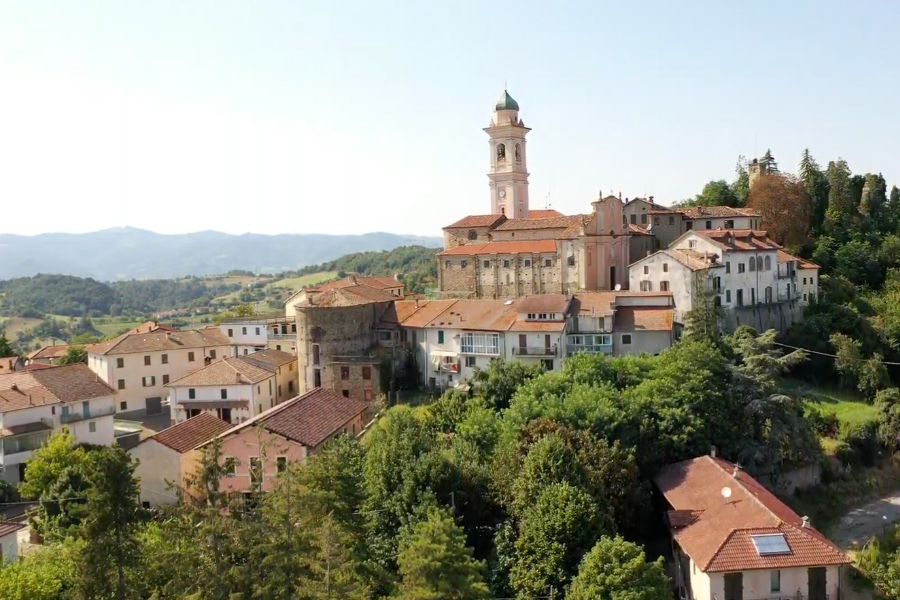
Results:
692 244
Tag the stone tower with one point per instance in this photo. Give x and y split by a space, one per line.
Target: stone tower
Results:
756 169
508 176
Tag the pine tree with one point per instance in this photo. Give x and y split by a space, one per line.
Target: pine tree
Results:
435 563
334 574
741 185
816 186
893 210
873 200
704 321
6 349
769 162
841 210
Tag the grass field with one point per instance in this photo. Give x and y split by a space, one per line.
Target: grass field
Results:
847 405
115 328
296 283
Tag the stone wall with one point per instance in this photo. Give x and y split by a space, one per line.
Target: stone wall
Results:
355 383
454 238
523 235
502 276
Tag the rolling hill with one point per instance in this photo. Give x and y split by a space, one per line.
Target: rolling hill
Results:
129 253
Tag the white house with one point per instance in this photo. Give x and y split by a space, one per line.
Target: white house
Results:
139 365
168 458
9 540
734 540
35 404
620 323
231 389
801 274
245 335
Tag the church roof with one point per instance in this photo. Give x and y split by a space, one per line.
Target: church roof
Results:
506 102
477 221
560 222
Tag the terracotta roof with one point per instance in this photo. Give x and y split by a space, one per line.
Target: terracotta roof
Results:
561 222
48 352
593 303
477 221
696 261
716 212
576 227
477 315
400 310
129 343
8 527
544 214
544 303
802 263
228 371
8 364
37 367
638 230
71 383
534 246
268 360
521 325
150 327
354 295
379 283
309 419
640 318
427 312
718 537
739 239
189 434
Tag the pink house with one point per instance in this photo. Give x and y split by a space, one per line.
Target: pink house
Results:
255 451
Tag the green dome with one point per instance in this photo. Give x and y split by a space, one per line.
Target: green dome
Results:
506 102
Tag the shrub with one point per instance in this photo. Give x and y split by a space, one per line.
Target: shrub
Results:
824 424
862 438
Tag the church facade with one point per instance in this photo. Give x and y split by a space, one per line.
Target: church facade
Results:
514 251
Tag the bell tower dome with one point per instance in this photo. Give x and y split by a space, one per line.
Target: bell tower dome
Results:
508 174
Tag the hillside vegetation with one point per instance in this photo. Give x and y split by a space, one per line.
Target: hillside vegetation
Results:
416 266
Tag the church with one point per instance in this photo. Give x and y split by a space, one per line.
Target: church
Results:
514 251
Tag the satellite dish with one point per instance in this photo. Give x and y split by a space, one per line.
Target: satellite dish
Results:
726 492
618 287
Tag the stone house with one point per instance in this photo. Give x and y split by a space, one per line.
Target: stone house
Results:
732 539
668 224
390 285
48 355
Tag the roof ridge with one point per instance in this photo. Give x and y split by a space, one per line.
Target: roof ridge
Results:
268 413
741 483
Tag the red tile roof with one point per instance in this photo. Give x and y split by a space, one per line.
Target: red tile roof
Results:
639 318
477 315
160 340
189 434
544 214
544 303
477 221
309 419
638 230
379 283
561 222
48 352
426 312
716 212
717 536
228 371
269 359
739 239
8 527
540 326
42 387
802 263
534 247
354 295
150 327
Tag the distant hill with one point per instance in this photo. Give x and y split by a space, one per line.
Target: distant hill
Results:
129 253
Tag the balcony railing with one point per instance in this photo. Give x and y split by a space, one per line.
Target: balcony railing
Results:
74 417
534 350
282 336
24 443
589 348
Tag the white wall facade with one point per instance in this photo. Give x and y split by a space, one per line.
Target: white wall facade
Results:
535 342
648 275
158 466
809 285
259 397
757 583
245 337
9 547
702 223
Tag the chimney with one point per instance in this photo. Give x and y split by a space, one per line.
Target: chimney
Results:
737 472
651 199
237 377
712 451
805 522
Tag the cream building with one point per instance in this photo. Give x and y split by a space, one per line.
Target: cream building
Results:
139 365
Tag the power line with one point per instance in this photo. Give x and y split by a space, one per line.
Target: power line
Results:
884 362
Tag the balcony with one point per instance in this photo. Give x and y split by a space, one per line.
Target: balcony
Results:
449 367
282 336
536 351
589 348
24 443
74 417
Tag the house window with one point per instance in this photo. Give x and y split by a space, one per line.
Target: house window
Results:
692 244
752 264
741 267
505 264
281 463
231 333
804 297
345 373
740 297
671 220
709 224
646 269
446 264
470 361
212 354
243 331
634 219
727 296
367 394
367 373
768 263
440 337
547 364
487 264
146 361
463 264
664 286
665 267
229 466
480 343
644 219
92 426
656 221
689 225
165 359
472 235
123 405
527 262
775 580
804 281
345 393
165 379
646 286
257 331
149 381
626 339
192 394
571 261
729 224
279 391
223 394
728 267
121 384
120 363
190 357
548 262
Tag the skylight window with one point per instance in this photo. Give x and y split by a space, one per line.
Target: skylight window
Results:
767 545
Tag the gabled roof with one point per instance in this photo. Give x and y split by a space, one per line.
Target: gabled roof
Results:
477 221
715 527
309 419
561 222
379 283
544 303
42 387
638 230
189 434
150 327
354 295
228 371
802 263
737 240
129 343
48 352
644 318
524 247
598 304
268 360
477 315
716 212
696 261
426 312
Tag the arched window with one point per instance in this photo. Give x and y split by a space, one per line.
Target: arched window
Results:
501 152
518 153
752 264
768 263
473 235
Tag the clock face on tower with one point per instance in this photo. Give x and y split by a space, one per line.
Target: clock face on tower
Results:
503 193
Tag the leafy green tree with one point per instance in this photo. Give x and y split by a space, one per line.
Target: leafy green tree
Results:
857 261
6 349
873 201
500 380
46 573
888 404
848 356
715 193
615 569
333 571
893 210
816 187
873 376
110 526
74 355
841 211
435 564
741 185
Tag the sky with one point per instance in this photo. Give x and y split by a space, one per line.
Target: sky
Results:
356 116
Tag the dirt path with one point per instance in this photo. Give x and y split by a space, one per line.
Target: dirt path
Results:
858 525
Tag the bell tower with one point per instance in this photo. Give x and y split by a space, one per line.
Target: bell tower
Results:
508 175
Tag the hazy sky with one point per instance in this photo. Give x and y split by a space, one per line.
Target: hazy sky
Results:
357 116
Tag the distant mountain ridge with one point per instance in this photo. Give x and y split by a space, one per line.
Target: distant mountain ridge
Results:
130 253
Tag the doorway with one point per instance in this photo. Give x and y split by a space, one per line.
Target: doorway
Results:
154 406
734 586
817 583
612 278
